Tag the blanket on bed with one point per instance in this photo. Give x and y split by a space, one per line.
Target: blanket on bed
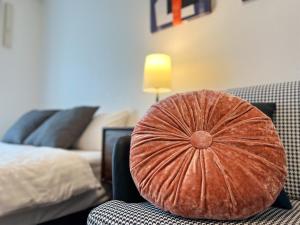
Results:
32 177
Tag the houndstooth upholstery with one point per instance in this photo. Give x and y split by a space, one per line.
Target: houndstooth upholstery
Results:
287 121
121 213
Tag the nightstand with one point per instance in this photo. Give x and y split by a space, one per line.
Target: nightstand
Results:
110 136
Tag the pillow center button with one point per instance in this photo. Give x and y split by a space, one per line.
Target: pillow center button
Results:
201 139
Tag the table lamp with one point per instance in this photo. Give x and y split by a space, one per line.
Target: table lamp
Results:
157 74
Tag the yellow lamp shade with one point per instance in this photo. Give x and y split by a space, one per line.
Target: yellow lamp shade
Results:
157 74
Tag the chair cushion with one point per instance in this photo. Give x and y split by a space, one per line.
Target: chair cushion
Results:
286 119
117 212
267 108
207 155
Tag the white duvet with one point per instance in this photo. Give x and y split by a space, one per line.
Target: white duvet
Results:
31 177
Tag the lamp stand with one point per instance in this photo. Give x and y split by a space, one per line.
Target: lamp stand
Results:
157 97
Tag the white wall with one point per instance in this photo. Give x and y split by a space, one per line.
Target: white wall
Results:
19 65
94 50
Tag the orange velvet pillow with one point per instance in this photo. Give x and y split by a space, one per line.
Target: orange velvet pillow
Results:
207 155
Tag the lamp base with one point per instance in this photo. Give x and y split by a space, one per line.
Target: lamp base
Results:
157 97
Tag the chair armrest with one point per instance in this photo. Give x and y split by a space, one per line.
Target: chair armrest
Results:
123 186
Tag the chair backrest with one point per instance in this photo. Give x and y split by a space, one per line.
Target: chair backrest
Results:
287 121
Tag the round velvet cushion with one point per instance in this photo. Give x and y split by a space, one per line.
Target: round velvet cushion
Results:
207 155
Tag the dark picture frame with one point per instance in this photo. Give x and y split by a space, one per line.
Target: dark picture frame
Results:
200 7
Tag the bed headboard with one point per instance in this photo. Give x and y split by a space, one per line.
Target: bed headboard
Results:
110 136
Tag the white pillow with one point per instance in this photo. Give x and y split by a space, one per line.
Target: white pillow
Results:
91 138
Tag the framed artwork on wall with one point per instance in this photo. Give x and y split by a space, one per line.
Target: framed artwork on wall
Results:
7 23
168 13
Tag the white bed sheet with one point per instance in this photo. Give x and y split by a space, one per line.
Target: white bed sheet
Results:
44 214
94 158
90 198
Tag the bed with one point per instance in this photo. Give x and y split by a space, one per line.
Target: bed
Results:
29 195
58 184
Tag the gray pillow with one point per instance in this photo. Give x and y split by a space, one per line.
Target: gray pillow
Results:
63 128
25 125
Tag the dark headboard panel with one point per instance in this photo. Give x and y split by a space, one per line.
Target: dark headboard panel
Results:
109 138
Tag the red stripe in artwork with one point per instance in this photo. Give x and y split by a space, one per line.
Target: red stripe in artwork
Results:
176 9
